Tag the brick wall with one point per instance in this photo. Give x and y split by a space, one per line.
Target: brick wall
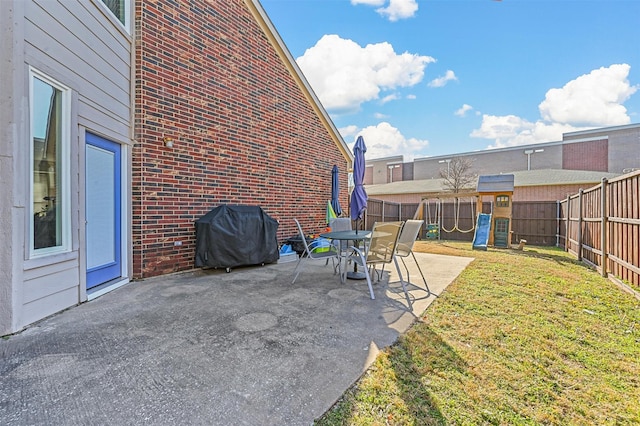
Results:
589 155
547 193
242 131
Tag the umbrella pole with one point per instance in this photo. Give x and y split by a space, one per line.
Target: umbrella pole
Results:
355 275
355 265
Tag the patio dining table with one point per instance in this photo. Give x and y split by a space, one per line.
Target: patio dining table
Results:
353 235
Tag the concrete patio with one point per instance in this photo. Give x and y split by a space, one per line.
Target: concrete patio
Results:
209 347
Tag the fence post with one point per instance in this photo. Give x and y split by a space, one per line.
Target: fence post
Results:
382 220
567 224
580 224
558 222
603 232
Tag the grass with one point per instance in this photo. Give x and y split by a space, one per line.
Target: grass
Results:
519 338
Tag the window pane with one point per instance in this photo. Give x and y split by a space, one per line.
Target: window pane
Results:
46 113
117 7
502 201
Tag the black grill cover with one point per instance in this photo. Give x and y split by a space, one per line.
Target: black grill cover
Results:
230 236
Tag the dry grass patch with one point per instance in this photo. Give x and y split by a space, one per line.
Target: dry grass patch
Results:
521 337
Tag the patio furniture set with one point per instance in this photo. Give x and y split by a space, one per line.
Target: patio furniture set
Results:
385 243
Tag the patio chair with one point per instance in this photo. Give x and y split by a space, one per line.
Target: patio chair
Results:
407 239
312 252
339 224
379 251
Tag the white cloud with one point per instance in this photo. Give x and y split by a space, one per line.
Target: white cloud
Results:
389 98
411 97
442 81
531 133
380 116
344 74
399 9
510 130
462 111
591 100
368 2
384 140
500 127
349 132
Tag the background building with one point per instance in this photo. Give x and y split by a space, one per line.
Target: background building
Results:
529 185
613 150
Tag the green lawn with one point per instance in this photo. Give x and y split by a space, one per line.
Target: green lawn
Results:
521 337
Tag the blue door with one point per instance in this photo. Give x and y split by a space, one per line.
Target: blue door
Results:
103 210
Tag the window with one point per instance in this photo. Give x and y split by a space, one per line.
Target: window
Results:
120 9
502 226
502 201
49 176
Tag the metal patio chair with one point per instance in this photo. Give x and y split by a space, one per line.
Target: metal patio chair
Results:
312 252
404 248
379 251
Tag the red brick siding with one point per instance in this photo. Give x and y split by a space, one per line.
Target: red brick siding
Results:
243 132
591 155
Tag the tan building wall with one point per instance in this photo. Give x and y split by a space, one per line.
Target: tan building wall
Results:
520 193
549 156
378 170
546 193
399 198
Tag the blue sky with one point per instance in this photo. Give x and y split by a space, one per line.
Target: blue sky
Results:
438 77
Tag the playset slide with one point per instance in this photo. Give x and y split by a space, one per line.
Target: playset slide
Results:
481 235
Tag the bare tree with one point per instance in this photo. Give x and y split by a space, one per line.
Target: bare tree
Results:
459 176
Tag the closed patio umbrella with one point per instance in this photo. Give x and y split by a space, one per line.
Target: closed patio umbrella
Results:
330 214
335 191
359 195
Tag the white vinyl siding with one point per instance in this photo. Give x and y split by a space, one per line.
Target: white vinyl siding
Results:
93 55
81 49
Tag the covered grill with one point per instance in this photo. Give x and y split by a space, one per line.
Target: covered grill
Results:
230 236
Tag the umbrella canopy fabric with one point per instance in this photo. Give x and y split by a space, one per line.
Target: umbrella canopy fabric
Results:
359 195
335 191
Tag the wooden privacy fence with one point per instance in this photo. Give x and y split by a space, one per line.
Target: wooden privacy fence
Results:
387 211
536 222
601 226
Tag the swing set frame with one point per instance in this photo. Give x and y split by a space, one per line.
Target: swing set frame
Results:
489 186
424 209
